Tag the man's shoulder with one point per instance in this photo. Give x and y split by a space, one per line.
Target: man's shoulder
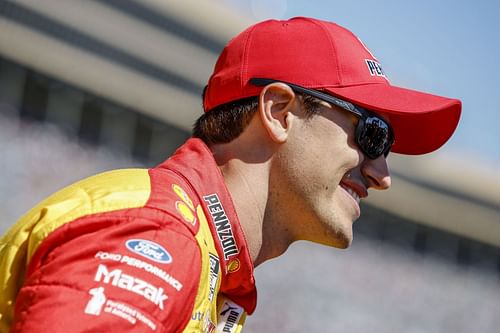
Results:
101 193
107 191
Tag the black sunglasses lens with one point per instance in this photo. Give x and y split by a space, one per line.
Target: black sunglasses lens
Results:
374 137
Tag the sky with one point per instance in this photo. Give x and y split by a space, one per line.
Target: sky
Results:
448 48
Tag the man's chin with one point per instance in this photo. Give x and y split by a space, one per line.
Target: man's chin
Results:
343 236
341 239
344 243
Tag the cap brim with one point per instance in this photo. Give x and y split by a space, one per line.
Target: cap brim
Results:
421 122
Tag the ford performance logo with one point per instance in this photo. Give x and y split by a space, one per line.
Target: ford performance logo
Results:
150 250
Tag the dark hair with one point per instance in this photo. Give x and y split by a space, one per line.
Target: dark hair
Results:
226 122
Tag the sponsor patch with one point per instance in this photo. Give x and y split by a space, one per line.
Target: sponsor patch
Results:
130 283
183 195
128 313
134 262
375 68
186 213
149 249
233 266
94 306
222 225
214 275
208 325
229 316
198 316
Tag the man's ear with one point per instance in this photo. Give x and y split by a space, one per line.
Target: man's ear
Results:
275 104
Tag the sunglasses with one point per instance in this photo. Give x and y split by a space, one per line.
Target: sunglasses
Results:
374 136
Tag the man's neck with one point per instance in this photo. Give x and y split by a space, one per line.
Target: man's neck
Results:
248 183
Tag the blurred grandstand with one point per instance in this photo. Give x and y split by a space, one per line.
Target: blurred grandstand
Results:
87 86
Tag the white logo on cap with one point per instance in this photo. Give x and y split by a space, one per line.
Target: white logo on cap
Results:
375 68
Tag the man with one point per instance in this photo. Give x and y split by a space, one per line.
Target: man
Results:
299 119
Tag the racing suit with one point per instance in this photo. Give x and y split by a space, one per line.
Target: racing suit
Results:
133 250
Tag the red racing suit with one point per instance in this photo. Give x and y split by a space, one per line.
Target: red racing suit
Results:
133 250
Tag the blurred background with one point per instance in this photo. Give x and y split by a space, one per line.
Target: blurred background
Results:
87 86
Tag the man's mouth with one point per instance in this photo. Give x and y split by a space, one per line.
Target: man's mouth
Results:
351 192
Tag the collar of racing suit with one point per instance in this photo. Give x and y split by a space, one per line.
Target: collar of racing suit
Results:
195 163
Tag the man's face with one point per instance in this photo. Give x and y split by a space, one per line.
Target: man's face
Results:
323 174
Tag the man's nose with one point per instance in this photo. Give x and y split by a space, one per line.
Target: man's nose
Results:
376 173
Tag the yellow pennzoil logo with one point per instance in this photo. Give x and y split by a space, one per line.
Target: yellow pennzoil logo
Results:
186 206
184 197
186 212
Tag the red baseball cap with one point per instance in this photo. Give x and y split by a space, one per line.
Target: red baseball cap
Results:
325 56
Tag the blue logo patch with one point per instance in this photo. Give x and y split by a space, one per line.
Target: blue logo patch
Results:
150 250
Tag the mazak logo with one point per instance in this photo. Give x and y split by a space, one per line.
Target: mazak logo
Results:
150 250
375 68
222 225
145 266
121 280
